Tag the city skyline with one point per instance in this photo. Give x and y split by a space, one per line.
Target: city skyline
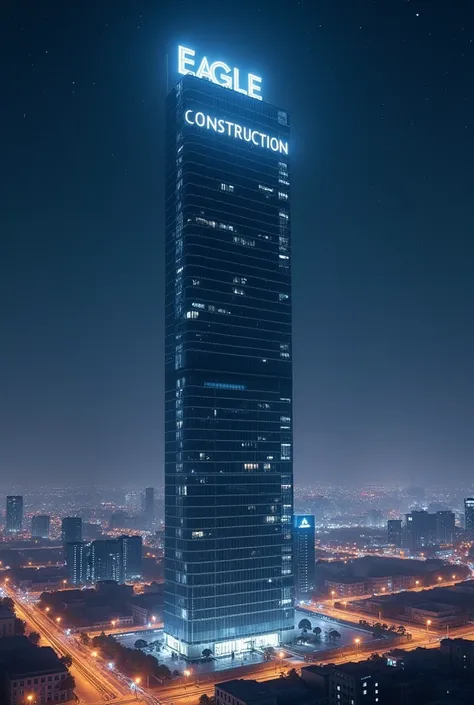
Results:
382 283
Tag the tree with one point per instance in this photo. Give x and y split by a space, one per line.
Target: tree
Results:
204 699
292 674
140 644
207 653
401 629
317 632
377 658
84 638
67 660
176 674
20 626
269 653
333 634
67 683
163 672
304 625
8 603
34 637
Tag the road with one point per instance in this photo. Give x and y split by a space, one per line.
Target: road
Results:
92 684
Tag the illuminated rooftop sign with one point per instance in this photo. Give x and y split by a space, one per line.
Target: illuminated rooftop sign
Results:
304 524
232 129
218 72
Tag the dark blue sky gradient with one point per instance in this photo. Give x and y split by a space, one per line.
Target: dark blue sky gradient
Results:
381 101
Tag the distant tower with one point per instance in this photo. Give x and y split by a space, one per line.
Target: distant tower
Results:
469 515
71 530
40 526
76 562
130 557
304 561
395 532
150 504
14 522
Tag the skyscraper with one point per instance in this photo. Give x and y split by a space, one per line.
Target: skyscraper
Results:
77 553
14 519
445 527
395 532
420 530
105 560
304 561
150 504
130 558
71 530
469 515
116 559
228 371
40 526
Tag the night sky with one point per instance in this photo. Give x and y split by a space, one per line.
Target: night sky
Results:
381 102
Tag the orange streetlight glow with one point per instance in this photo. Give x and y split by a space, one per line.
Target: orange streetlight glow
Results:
58 619
94 654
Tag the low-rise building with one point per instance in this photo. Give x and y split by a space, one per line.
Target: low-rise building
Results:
436 615
26 669
278 691
7 622
346 588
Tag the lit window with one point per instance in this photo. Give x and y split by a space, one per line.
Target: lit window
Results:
225 385
227 187
192 314
266 189
282 117
250 466
283 297
196 304
240 292
243 241
197 534
283 215
226 226
282 195
286 451
239 280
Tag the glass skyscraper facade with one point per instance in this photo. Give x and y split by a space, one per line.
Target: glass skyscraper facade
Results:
14 514
228 376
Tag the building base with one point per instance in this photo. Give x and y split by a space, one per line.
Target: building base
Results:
227 647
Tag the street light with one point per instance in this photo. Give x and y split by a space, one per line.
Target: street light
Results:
135 686
94 654
113 623
428 623
64 582
454 577
417 582
47 609
58 619
439 578
357 642
187 673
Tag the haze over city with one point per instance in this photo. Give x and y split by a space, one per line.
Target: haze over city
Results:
237 352
382 146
